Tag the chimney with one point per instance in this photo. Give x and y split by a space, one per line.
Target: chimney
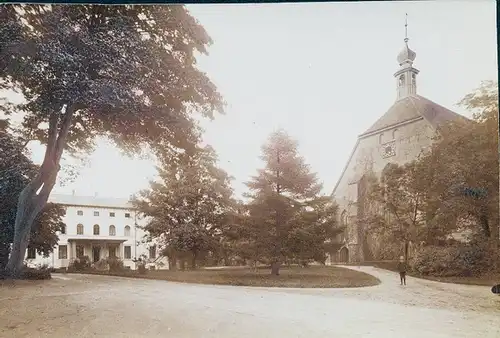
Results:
73 192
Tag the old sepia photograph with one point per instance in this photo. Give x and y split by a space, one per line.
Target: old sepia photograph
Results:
280 169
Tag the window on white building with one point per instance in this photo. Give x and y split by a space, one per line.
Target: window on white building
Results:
79 212
128 252
126 231
79 229
63 229
112 230
152 252
111 214
127 215
96 213
96 229
63 252
31 253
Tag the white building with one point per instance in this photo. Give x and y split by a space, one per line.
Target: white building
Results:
98 228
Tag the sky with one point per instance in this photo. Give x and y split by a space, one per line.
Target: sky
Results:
321 71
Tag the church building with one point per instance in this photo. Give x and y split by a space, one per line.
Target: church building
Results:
398 136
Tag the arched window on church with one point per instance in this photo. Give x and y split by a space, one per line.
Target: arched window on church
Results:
394 134
401 80
413 78
380 138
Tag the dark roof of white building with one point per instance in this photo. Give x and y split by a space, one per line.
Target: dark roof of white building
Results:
91 201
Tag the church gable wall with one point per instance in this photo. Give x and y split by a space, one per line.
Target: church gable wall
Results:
406 142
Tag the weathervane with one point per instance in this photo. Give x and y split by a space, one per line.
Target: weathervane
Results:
406 27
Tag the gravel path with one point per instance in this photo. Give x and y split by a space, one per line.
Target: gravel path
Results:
102 306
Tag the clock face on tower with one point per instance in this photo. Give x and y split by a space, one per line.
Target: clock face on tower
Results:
388 149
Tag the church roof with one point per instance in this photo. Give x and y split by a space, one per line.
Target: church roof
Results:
406 109
412 107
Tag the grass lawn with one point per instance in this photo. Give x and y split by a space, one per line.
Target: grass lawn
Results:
294 277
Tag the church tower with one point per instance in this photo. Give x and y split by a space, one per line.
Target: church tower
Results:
406 76
398 136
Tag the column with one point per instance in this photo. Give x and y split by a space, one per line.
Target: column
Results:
68 251
73 249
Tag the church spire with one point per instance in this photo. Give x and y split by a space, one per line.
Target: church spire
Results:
406 75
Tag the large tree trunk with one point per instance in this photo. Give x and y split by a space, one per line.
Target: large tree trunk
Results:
34 196
4 255
28 208
275 268
406 248
276 262
193 260
172 263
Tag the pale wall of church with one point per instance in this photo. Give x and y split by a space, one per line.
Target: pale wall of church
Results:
410 140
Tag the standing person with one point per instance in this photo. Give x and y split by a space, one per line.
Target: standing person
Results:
402 270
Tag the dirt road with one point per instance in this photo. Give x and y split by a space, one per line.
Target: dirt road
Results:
100 306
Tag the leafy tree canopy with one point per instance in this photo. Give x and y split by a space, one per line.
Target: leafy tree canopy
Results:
124 72
190 204
286 218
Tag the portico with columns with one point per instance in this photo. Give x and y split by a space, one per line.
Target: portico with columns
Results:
95 249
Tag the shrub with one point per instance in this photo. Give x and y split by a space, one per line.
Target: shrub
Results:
115 264
80 264
462 260
39 273
141 268
102 265
382 247
141 264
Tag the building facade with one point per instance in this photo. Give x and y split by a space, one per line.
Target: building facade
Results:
98 228
399 136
